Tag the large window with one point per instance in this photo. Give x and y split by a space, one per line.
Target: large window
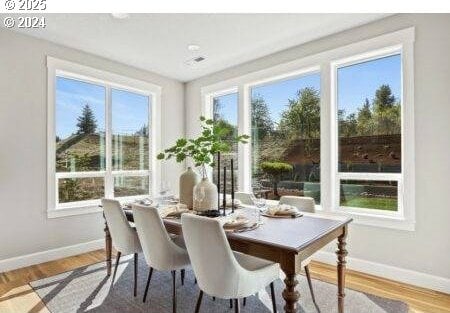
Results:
225 112
337 126
369 107
285 132
99 136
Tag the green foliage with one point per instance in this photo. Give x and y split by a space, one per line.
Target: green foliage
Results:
301 119
261 120
380 118
202 149
86 121
275 168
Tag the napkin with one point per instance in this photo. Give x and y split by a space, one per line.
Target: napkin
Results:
282 209
174 210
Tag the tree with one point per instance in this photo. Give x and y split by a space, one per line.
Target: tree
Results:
386 112
302 117
275 170
261 121
86 121
365 126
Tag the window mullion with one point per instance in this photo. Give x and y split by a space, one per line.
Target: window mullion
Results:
109 180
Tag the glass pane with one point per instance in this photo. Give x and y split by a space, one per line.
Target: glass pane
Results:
80 126
130 130
125 186
225 111
79 189
369 194
369 114
285 133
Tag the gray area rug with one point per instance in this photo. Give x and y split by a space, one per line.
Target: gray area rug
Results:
87 289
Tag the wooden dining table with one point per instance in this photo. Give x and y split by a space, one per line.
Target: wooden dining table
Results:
287 241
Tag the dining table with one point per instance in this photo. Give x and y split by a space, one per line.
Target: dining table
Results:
287 241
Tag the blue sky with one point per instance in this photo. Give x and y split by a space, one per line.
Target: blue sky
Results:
355 83
130 110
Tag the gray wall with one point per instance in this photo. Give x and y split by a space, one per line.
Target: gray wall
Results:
24 226
427 249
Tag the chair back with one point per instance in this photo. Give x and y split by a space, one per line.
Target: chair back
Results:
159 249
304 204
213 261
123 235
245 198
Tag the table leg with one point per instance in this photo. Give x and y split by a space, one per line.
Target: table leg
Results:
290 295
108 249
341 253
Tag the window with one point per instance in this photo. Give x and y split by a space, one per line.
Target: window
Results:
285 137
225 111
337 126
369 110
100 137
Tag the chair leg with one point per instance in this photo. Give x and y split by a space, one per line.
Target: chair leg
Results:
272 293
231 303
237 308
174 295
199 301
183 273
245 301
135 274
308 277
148 284
116 266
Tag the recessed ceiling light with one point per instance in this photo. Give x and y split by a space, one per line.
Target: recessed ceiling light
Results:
193 47
120 16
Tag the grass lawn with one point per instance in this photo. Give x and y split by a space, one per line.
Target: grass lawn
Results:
388 204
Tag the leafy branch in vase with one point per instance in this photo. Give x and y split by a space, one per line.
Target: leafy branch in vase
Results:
214 138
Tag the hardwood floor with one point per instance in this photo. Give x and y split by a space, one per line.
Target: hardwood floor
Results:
17 296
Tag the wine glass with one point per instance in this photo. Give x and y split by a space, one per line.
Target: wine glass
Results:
260 203
165 189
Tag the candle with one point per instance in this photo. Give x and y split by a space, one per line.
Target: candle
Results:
224 189
218 180
232 187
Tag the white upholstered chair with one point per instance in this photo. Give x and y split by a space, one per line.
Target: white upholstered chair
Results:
245 197
162 252
124 237
304 204
220 272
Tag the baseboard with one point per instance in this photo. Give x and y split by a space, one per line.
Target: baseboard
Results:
50 255
390 272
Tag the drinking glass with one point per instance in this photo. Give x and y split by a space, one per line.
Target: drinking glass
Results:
260 203
199 196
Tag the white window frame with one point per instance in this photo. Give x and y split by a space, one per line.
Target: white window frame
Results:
326 62
61 68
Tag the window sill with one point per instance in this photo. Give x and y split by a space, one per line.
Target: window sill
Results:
71 211
375 220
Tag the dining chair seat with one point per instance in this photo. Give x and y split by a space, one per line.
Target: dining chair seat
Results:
162 251
124 236
221 272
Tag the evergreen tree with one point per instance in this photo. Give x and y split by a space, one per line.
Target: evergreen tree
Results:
386 112
364 120
261 121
86 121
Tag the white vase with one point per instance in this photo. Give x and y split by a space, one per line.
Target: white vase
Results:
205 196
188 180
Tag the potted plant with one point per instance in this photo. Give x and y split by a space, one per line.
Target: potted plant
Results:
275 169
202 150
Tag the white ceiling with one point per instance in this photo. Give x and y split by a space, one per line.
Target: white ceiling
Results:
158 42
